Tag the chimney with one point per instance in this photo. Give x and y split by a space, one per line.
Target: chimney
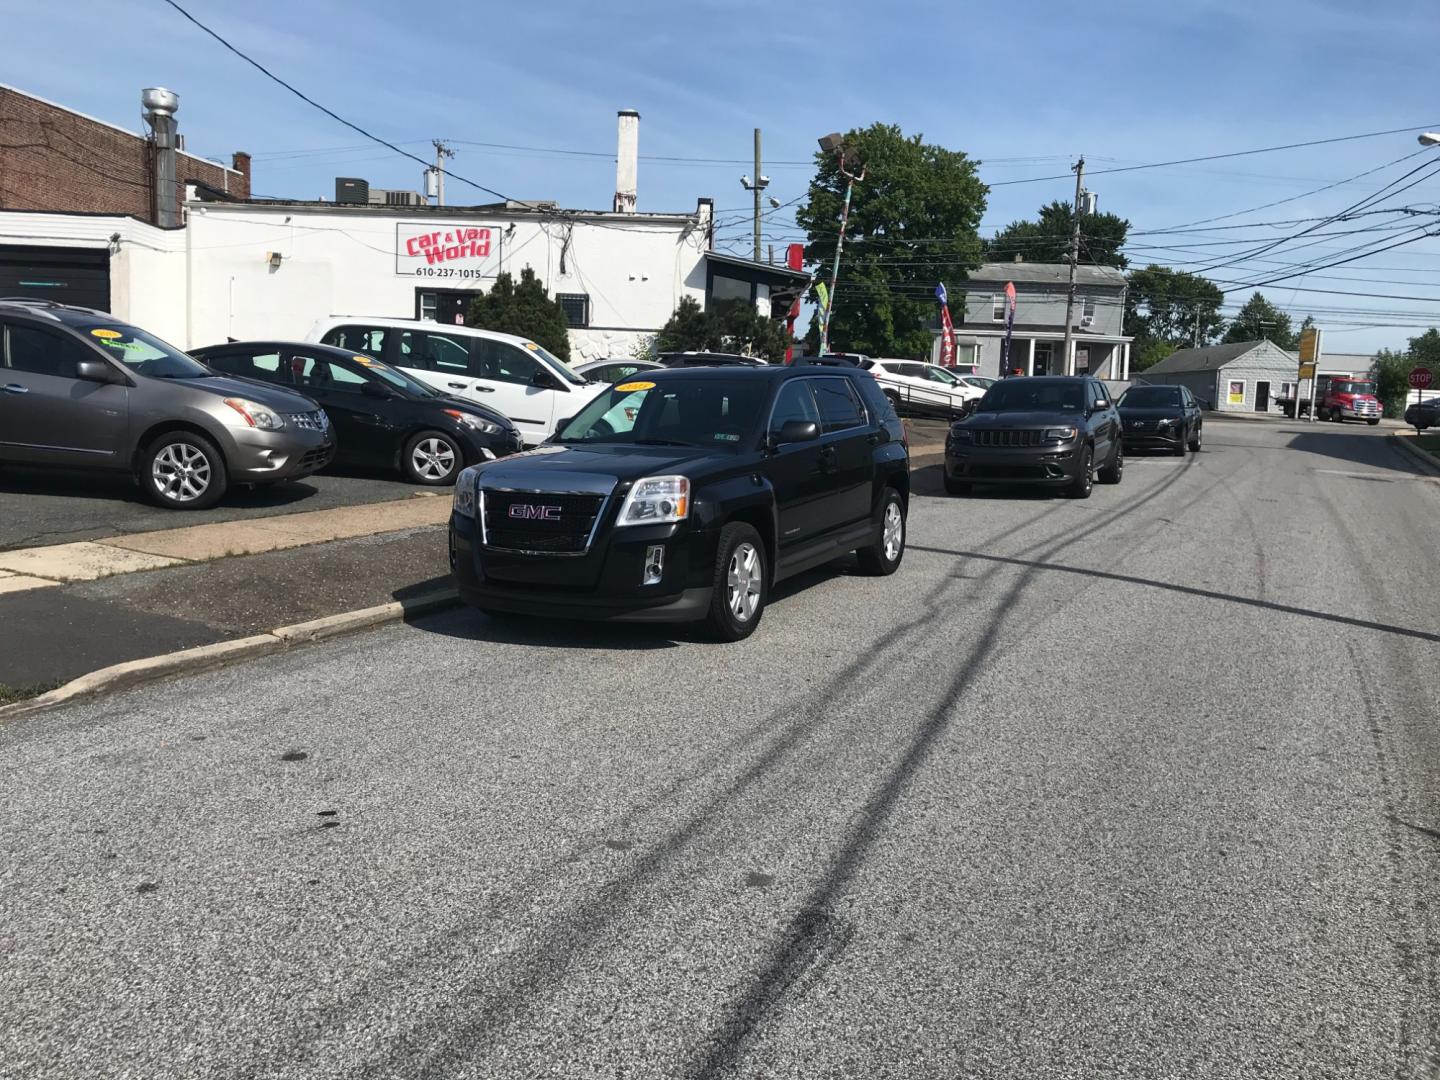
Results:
160 105
627 161
240 160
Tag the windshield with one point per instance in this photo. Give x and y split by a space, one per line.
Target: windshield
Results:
145 354
1033 395
561 368
939 374
1150 397
385 373
676 412
978 381
1353 387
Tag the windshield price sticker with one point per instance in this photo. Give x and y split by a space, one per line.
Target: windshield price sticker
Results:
630 387
106 335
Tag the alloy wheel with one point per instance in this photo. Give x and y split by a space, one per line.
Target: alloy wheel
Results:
433 459
743 580
893 534
181 472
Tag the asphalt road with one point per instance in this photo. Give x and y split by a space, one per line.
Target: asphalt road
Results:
51 506
1144 786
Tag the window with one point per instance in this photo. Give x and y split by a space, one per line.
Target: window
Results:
1087 311
366 339
436 352
794 402
576 307
428 304
967 354
615 372
262 366
1044 355
312 373
726 289
997 308
40 352
839 408
503 362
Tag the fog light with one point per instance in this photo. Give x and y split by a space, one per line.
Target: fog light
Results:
654 564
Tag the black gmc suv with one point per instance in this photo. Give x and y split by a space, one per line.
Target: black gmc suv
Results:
1056 431
684 495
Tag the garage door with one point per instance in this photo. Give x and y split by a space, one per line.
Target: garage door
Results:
78 276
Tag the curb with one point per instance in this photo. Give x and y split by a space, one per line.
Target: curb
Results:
203 657
1426 460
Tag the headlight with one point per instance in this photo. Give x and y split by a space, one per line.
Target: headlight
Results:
463 501
1059 434
255 414
476 423
962 435
1163 423
656 500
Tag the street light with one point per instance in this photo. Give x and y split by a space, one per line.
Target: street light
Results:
1430 138
834 143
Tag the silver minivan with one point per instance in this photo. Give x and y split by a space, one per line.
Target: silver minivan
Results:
81 389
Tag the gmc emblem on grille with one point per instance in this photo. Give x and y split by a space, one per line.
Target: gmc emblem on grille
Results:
531 512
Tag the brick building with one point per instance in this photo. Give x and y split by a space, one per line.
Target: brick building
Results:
53 158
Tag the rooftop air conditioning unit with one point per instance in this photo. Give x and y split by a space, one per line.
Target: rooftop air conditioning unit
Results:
395 197
352 190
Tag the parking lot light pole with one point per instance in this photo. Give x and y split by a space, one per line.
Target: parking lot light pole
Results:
836 143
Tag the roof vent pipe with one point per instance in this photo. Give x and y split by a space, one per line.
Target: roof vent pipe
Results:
627 161
160 106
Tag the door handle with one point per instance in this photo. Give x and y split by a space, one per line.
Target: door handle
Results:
457 385
483 389
16 388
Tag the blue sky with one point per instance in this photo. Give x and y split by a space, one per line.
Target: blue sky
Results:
1025 89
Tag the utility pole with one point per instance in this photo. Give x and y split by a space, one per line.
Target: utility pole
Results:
1074 259
760 184
442 151
835 144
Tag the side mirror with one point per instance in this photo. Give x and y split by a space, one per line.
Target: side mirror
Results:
372 389
543 379
95 371
793 431
1102 404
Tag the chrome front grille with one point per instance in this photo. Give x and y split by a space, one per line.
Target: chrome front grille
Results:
310 421
540 522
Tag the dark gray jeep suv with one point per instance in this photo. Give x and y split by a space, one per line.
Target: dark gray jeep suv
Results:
80 389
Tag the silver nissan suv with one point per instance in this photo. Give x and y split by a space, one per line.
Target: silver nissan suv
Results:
80 389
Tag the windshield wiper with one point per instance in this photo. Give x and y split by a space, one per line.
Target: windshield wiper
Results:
662 442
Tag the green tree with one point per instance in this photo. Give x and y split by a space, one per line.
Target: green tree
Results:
1047 239
913 223
734 327
1392 379
1261 319
522 309
1425 351
1149 353
1170 307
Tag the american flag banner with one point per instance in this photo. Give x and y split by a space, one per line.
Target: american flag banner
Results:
1009 327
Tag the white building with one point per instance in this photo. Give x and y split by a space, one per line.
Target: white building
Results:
269 269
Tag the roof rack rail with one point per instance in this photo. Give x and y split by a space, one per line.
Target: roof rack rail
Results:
36 300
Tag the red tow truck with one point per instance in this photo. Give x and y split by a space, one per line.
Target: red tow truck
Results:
1339 396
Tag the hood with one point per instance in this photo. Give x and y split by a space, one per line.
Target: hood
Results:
272 397
474 408
590 468
983 420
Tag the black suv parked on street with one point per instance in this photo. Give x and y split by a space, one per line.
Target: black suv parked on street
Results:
1161 418
1049 430
685 495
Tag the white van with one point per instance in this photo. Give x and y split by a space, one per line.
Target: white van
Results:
514 375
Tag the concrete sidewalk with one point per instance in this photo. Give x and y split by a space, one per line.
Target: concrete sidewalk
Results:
24 569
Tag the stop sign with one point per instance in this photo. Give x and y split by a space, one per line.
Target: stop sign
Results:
1420 378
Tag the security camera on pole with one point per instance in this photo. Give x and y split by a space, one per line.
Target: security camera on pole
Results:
760 184
835 143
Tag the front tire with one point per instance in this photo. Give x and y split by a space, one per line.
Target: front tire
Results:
883 558
1084 481
183 471
1373 423
431 458
1195 442
1115 471
738 585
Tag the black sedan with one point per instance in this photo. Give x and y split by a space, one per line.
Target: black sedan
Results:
1055 431
381 416
1161 418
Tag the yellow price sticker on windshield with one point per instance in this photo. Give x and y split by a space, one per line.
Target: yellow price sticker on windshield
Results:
367 361
532 346
626 388
107 335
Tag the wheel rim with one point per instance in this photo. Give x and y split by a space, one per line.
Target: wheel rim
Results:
433 459
1119 463
742 586
1089 470
181 472
893 537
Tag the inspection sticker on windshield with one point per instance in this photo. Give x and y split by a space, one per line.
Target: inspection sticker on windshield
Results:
630 387
723 436
107 335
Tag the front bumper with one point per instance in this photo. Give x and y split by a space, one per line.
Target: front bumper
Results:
602 583
1155 439
1356 412
256 456
1042 465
